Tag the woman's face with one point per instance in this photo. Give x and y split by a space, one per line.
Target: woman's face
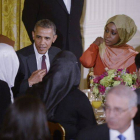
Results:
111 36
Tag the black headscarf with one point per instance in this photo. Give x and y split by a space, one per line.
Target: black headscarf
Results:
64 76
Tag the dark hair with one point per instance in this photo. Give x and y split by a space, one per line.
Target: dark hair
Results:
137 61
45 23
25 120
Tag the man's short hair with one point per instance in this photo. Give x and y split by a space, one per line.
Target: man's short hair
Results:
125 92
45 23
137 61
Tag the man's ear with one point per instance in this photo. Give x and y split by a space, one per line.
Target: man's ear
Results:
54 38
33 35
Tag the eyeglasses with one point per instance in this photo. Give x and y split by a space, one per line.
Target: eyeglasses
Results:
117 111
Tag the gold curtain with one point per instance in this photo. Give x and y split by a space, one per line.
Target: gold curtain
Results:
11 24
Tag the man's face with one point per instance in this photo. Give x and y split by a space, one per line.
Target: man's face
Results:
111 35
43 38
118 115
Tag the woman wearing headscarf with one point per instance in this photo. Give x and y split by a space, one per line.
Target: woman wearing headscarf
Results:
65 103
112 52
9 65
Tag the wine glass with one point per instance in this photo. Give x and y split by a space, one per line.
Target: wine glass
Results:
90 96
96 102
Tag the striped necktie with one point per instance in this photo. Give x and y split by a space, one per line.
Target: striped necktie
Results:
43 65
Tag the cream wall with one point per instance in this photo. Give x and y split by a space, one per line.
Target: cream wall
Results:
94 17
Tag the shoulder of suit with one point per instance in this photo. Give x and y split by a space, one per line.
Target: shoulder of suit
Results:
137 128
137 131
54 49
26 51
137 90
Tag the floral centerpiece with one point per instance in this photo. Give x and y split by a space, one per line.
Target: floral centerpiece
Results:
101 84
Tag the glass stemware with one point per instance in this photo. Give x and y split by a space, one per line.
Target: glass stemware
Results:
96 102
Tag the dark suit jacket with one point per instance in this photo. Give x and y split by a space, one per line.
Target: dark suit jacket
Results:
68 26
5 99
27 66
137 117
101 132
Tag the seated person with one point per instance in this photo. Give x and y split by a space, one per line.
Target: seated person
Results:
35 60
112 52
9 65
25 120
120 109
65 103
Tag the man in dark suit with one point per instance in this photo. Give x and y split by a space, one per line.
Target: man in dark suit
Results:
36 59
120 109
65 14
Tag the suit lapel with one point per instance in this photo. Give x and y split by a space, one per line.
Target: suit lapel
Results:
31 62
61 2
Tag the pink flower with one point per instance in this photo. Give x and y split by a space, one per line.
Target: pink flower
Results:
118 79
101 89
97 79
122 83
119 69
104 74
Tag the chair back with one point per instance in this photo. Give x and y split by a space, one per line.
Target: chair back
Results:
57 131
6 40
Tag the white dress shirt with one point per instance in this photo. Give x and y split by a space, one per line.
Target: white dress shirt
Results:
39 59
129 134
68 5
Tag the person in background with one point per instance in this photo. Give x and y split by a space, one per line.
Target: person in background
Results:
9 65
25 119
120 109
64 102
35 60
112 52
66 16
137 62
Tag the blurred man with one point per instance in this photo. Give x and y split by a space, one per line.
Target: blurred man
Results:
35 60
120 109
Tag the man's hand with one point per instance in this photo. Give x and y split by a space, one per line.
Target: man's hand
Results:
36 77
98 41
